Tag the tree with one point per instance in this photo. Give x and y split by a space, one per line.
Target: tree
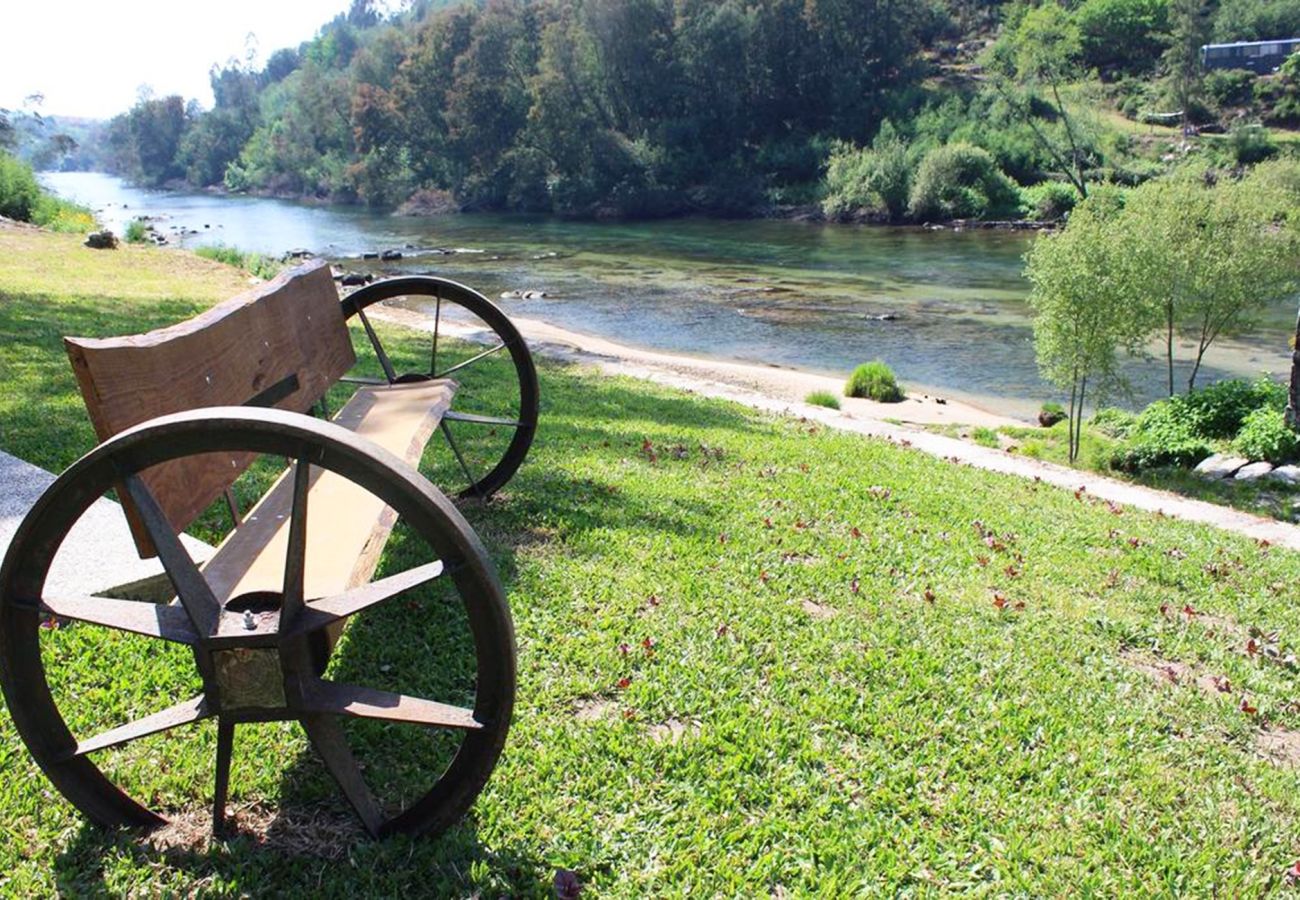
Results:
1042 53
1209 258
1085 311
1189 22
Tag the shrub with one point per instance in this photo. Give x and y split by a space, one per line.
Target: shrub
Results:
986 437
823 398
1230 87
1264 435
1251 144
19 190
960 181
1050 413
1048 201
136 232
875 381
1161 436
875 179
1217 411
1113 422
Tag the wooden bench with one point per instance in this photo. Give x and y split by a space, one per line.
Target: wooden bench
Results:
182 413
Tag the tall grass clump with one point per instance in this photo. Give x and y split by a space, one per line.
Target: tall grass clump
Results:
875 381
136 232
823 398
254 263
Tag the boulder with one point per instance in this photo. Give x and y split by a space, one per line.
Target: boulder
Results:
356 279
101 240
391 255
1288 474
1254 471
1220 465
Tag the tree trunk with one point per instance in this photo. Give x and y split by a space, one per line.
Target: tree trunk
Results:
1293 393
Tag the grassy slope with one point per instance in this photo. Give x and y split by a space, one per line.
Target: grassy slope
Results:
797 715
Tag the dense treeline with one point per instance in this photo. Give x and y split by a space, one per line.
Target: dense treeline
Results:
653 107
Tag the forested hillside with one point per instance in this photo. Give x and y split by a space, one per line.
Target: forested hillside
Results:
913 110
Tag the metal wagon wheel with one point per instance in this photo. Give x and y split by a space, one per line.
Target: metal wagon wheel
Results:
515 415
264 672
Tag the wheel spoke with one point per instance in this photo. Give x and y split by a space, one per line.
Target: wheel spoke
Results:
192 710
437 322
363 379
320 696
192 588
322 612
473 359
327 737
171 623
295 562
379 348
225 748
446 432
474 419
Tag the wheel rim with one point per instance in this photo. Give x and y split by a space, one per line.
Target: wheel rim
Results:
286 639
482 478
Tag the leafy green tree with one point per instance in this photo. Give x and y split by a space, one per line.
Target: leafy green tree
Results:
1084 304
1039 56
1123 34
1189 22
1210 259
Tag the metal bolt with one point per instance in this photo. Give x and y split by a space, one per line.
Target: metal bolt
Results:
249 622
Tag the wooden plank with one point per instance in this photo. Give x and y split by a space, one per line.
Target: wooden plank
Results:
347 526
289 327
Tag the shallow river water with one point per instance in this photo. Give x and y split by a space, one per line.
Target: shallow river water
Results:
945 308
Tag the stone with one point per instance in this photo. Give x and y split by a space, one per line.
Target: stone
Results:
391 255
1220 465
1289 474
101 240
1254 471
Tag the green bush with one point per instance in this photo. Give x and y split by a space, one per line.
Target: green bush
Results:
961 181
1264 435
136 232
19 190
1113 422
1217 411
1230 87
1048 201
823 398
878 179
875 381
1251 144
1161 436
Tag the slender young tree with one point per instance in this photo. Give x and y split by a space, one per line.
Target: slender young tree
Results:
1085 311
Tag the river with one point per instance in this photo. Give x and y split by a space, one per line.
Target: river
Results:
946 309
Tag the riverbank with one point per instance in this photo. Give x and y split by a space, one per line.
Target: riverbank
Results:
728 379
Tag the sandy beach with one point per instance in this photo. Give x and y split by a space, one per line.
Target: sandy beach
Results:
755 385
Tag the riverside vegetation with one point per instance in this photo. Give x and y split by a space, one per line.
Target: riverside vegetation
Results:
756 656
912 111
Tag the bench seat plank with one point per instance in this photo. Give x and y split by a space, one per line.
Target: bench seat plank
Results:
347 526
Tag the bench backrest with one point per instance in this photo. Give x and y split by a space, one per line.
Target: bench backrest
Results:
249 348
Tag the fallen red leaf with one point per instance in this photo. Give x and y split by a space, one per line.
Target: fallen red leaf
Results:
999 601
929 594
856 533
853 585
624 683
1245 707
1188 611
1251 647
624 649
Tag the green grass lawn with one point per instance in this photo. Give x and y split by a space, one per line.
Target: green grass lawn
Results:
756 657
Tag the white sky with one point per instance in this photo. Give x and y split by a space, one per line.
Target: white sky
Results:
90 58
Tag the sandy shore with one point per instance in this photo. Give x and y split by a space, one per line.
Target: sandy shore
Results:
743 382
